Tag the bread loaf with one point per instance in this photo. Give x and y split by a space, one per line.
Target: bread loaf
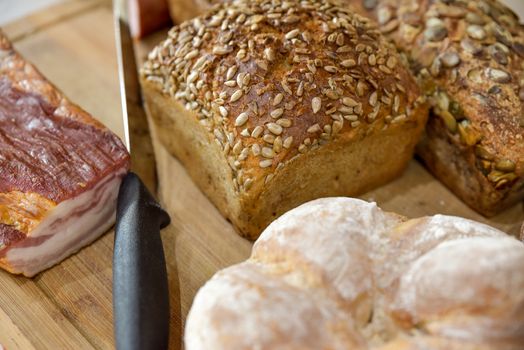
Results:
269 105
469 58
340 273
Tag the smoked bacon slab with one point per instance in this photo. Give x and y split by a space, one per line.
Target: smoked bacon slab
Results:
60 170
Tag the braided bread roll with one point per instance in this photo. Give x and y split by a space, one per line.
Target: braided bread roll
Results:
340 273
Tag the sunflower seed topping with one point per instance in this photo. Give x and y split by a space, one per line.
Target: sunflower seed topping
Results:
274 128
498 75
266 163
316 104
236 96
276 113
241 119
223 67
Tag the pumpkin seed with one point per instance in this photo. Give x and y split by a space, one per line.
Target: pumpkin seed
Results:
498 75
498 54
505 165
483 153
450 59
443 101
501 34
473 18
449 120
470 46
476 32
435 33
475 75
456 110
518 48
467 133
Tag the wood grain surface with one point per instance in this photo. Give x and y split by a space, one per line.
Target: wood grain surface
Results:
69 306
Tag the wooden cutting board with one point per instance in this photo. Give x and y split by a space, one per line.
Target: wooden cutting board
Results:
69 306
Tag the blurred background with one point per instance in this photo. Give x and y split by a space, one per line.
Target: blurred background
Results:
14 9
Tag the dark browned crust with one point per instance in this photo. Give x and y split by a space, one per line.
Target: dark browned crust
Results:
323 80
487 84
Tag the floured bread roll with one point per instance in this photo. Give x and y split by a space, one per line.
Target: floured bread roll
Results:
340 273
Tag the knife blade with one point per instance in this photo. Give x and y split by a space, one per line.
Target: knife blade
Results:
140 285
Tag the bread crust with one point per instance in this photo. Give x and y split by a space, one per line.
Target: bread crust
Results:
281 93
469 58
340 273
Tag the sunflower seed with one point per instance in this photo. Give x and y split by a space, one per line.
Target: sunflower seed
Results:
241 119
316 104
348 101
269 54
288 141
286 123
337 126
372 60
268 138
222 50
391 63
257 131
277 113
223 111
313 128
236 96
361 88
266 163
278 98
348 63
292 34
267 152
373 99
274 128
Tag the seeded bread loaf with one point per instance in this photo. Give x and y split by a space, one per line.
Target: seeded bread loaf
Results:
339 273
469 58
269 106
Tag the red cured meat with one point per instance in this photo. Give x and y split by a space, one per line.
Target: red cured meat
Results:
60 170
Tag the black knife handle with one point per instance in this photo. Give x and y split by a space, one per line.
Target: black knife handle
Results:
140 288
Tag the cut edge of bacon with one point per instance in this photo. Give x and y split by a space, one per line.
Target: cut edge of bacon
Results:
70 226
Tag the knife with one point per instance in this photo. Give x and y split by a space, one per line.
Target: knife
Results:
140 286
